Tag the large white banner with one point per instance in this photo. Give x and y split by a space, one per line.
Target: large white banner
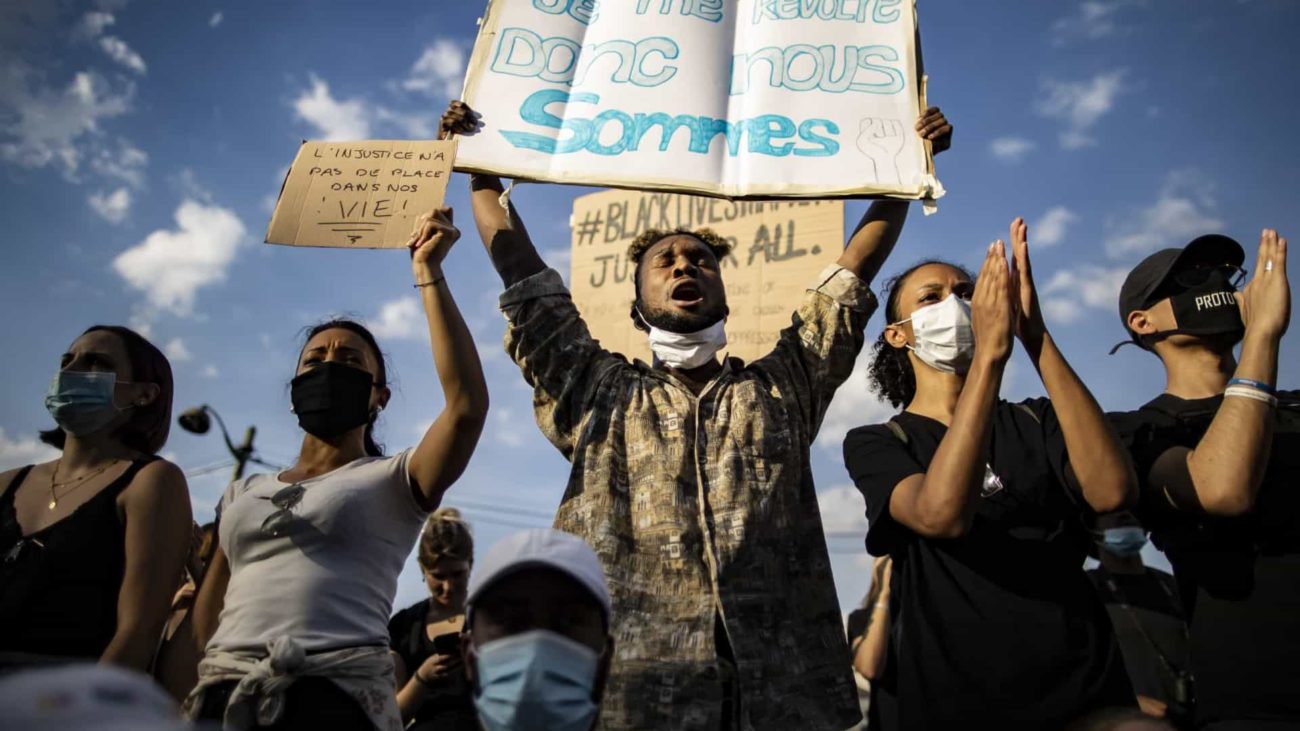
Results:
736 98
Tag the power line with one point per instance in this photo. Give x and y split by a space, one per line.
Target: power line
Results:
523 512
208 469
508 523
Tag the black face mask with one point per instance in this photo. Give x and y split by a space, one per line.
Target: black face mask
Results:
331 399
1209 308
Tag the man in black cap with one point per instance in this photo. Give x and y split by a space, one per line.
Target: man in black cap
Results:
1217 455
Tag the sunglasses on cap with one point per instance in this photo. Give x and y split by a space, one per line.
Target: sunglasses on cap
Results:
1196 274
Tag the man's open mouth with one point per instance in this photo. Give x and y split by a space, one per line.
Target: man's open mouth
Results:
687 293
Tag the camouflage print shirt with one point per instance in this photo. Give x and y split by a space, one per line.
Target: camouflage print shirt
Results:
702 508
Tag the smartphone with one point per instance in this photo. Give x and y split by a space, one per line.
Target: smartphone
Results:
447 644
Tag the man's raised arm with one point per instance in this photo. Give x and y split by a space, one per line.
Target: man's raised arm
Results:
502 231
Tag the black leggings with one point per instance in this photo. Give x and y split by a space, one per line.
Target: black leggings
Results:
310 704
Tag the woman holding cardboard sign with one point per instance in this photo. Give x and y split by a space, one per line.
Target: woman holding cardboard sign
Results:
293 615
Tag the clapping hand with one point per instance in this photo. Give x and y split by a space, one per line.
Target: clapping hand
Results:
992 308
1266 301
1030 327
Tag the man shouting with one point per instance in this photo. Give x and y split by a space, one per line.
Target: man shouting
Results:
691 475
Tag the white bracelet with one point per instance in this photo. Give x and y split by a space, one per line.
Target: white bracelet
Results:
1251 393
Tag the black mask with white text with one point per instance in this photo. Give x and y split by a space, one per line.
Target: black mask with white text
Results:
1209 308
331 399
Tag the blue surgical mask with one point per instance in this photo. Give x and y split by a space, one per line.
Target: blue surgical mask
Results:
81 402
1124 540
536 680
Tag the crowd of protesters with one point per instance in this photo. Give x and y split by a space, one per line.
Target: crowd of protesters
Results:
687 582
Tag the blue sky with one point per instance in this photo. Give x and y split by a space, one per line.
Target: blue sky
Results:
142 144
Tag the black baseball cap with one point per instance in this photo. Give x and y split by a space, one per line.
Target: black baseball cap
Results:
1146 279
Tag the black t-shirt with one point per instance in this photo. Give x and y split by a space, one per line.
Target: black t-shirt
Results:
999 627
1149 624
1239 577
450 707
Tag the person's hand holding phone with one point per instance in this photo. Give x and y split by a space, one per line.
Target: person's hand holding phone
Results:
445 665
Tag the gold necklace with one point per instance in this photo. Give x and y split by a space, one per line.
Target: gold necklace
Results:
76 482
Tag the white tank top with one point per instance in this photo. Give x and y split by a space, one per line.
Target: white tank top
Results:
328 582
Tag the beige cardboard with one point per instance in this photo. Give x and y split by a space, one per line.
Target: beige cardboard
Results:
779 247
360 195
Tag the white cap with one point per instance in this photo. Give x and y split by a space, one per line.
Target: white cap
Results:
540 548
86 696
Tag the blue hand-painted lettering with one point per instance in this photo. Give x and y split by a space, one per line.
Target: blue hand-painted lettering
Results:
580 10
614 132
803 67
710 10
854 11
561 60
886 11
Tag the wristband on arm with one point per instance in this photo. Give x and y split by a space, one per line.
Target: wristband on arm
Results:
1251 393
1257 385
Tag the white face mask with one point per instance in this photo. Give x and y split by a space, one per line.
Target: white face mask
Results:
944 339
688 350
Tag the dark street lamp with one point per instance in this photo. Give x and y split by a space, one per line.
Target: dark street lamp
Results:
197 421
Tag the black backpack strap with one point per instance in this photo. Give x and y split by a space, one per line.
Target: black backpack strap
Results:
1030 412
898 432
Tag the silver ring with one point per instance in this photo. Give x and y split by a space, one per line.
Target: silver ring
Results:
1268 266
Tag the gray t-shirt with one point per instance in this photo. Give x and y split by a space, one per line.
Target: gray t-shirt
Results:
329 580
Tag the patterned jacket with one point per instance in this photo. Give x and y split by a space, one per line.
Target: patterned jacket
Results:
702 510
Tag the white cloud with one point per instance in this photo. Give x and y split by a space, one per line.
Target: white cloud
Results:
843 510
170 266
333 119
561 260
1079 105
216 19
126 162
1094 19
112 207
119 51
1183 210
506 428
400 319
176 351
23 451
1011 149
46 126
439 70
854 405
92 24
1050 229
210 372
189 186
1071 292
419 126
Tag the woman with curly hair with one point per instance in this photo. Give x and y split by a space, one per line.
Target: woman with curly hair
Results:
425 637
978 503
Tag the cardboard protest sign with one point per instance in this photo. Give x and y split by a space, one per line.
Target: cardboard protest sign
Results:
734 98
360 195
779 247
